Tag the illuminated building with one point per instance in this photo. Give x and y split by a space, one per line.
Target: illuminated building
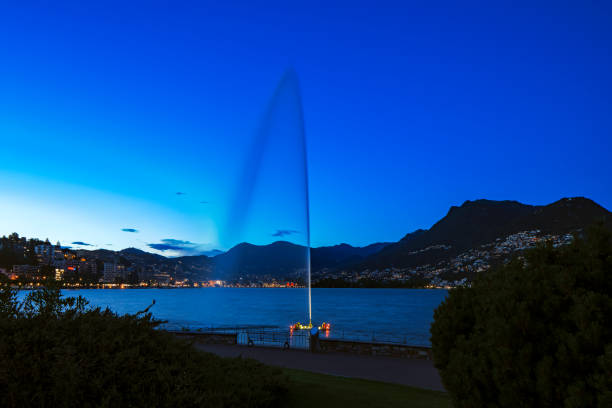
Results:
110 272
26 271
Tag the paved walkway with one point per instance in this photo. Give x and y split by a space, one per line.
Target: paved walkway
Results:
412 372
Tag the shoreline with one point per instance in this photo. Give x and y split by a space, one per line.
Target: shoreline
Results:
29 287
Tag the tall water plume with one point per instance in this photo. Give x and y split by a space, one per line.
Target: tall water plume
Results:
271 202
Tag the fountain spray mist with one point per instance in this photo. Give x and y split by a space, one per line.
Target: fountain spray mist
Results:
272 199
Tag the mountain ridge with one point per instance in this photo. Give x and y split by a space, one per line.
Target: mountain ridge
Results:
466 227
481 221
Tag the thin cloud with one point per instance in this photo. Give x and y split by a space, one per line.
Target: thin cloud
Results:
282 233
177 242
179 246
81 243
129 230
203 202
165 247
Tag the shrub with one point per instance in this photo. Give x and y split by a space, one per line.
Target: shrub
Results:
55 352
535 332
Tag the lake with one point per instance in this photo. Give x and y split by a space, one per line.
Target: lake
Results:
362 314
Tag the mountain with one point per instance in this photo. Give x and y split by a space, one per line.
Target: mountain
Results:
480 222
139 256
212 253
102 254
284 259
343 254
463 229
279 259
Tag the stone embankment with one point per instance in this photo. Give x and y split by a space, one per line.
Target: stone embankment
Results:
327 345
375 349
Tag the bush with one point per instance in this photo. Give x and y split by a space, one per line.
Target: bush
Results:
535 332
55 352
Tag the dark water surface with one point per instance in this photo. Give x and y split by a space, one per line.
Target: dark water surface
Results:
402 315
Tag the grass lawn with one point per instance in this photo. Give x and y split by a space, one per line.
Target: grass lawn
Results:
314 390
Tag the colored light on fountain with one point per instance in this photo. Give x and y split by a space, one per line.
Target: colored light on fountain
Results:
325 326
299 326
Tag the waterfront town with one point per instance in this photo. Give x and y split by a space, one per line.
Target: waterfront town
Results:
456 271
31 262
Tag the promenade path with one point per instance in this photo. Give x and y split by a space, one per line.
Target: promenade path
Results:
411 372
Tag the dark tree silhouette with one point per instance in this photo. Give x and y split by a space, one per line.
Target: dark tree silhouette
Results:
535 332
57 352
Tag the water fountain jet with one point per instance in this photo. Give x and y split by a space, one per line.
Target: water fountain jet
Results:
276 167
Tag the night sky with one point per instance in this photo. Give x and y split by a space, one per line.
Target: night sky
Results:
128 123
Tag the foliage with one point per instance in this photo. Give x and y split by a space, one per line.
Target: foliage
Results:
57 352
535 332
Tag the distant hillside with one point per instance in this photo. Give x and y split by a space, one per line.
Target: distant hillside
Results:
212 253
278 259
464 228
284 259
139 256
343 254
482 221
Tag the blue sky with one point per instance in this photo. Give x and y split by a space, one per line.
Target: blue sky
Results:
109 109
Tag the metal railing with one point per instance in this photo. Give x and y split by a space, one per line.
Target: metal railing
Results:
275 336
267 336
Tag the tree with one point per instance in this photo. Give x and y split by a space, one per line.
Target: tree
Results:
534 332
58 352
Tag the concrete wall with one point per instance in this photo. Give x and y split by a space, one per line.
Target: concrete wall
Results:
375 349
327 345
209 338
